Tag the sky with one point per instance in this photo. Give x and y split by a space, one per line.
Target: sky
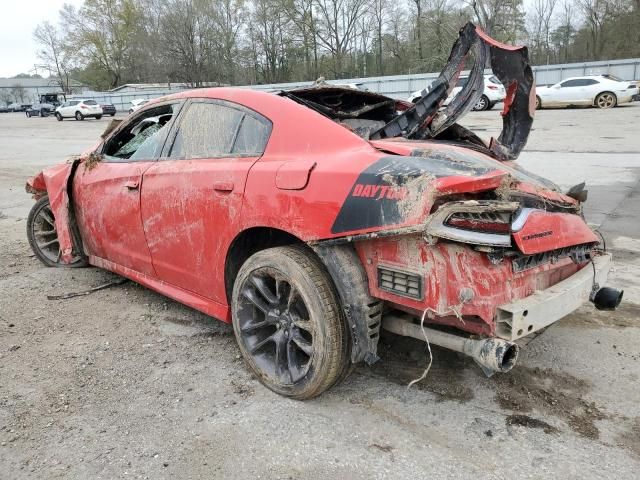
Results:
19 19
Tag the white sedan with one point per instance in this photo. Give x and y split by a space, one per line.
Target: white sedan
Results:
79 109
493 93
602 91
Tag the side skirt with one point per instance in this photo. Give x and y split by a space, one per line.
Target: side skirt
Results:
193 300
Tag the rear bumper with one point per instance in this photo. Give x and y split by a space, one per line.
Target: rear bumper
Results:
520 318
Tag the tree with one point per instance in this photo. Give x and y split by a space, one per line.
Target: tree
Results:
6 97
337 28
102 32
18 92
54 54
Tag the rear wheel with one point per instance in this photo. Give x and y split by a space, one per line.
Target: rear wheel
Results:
606 100
98 117
43 236
288 323
79 116
28 114
538 103
483 103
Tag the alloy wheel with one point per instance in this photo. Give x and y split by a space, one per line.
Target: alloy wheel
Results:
275 326
605 100
46 235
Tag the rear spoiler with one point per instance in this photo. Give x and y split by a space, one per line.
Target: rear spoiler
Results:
427 118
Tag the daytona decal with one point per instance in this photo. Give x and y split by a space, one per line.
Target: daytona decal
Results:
390 189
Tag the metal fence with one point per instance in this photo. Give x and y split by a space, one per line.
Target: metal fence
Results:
401 86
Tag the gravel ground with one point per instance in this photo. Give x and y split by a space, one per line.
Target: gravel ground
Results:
125 383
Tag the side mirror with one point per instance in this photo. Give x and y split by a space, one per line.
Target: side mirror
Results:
556 86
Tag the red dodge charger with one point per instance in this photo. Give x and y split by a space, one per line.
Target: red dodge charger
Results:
310 219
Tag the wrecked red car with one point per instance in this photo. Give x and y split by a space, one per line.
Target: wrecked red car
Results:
311 219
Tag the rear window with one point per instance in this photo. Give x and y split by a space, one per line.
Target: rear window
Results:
494 79
90 102
252 136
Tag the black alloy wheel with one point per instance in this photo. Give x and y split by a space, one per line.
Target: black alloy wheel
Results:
288 323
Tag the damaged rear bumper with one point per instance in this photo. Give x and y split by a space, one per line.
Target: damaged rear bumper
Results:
523 317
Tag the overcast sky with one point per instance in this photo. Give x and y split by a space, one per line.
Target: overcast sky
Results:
19 19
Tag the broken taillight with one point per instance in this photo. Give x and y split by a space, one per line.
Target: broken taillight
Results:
486 222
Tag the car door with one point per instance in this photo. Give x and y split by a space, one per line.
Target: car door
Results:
570 91
69 109
589 91
107 193
192 197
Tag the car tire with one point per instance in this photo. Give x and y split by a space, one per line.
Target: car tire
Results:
79 116
482 104
43 236
58 117
112 114
130 111
606 100
28 114
98 117
538 103
288 322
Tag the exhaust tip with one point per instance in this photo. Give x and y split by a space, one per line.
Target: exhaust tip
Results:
509 357
607 298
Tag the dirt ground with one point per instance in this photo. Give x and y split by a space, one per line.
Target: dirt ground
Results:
125 383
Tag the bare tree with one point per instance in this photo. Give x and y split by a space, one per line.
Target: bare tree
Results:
595 12
54 54
18 92
338 25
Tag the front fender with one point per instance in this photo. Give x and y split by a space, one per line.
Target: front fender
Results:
55 182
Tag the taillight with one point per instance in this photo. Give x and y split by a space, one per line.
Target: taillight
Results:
83 106
492 87
486 222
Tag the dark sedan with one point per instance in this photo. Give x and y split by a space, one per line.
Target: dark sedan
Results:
108 109
39 110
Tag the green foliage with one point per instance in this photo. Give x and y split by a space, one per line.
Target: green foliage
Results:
268 41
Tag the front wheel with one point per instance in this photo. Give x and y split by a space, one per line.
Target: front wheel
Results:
43 236
606 100
79 116
288 322
58 117
28 114
538 103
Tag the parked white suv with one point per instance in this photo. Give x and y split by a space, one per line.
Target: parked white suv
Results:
79 109
493 93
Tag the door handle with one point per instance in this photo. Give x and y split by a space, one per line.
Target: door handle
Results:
132 185
223 186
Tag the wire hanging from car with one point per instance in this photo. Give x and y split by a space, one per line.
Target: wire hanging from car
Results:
456 311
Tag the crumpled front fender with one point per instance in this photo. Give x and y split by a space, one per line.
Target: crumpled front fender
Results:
55 182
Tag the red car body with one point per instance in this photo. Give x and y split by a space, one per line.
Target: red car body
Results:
183 227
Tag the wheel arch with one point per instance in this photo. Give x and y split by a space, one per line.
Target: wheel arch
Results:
248 242
363 312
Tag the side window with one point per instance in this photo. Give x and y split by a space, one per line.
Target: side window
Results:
73 103
252 136
143 137
571 83
590 81
207 130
